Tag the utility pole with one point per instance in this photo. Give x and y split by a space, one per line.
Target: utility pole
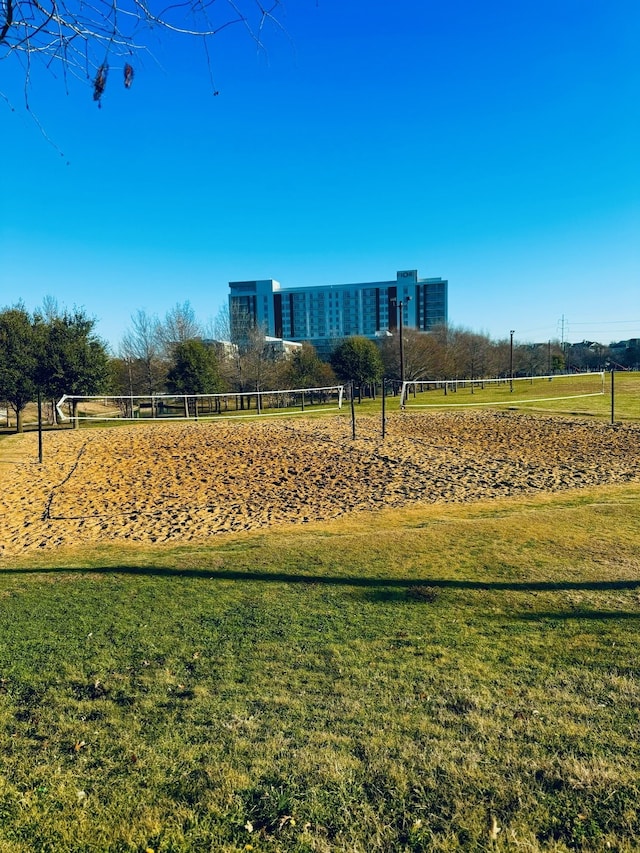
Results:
562 323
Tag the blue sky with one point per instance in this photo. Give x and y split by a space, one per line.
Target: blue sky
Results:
494 144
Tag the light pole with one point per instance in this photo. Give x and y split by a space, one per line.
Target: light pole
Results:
511 361
400 305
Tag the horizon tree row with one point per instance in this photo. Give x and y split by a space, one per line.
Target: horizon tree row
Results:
55 351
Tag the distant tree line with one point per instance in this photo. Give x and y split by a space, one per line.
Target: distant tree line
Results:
55 351
180 356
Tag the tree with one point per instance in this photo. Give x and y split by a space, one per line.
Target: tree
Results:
472 349
357 360
631 355
84 40
73 360
119 383
419 355
180 325
141 349
194 369
257 361
438 355
304 368
531 360
219 328
18 360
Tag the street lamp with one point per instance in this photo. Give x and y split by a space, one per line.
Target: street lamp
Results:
400 305
511 360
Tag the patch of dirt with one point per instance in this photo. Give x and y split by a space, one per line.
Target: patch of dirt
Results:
185 482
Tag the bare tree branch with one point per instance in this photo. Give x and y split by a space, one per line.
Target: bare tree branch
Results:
8 20
85 37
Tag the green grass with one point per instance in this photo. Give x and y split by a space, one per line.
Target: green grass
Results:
411 682
572 395
562 402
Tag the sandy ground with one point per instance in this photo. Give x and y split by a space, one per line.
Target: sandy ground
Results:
185 482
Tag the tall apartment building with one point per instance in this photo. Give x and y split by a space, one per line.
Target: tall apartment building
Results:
325 314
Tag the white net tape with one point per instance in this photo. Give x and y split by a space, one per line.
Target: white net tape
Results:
162 407
439 394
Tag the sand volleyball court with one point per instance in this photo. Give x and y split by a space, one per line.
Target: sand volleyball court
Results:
188 481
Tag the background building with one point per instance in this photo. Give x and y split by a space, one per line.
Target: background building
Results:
326 314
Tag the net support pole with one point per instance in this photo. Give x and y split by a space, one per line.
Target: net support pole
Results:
613 395
353 412
39 426
384 406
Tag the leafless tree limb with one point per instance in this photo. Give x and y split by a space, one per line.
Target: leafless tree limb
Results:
85 37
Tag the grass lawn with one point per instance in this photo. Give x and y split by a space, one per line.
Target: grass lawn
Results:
583 395
450 678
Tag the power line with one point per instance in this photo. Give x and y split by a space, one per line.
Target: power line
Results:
601 323
596 328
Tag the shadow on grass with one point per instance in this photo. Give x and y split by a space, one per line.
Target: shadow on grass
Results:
578 614
388 583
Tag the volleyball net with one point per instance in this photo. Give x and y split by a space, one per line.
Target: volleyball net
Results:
163 407
460 393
